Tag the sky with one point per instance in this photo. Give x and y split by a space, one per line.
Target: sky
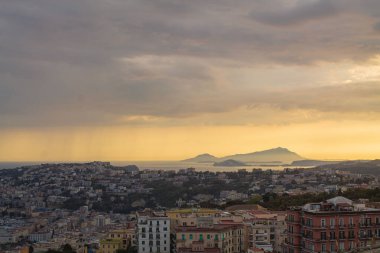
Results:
168 79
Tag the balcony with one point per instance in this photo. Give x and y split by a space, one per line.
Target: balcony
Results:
261 233
293 245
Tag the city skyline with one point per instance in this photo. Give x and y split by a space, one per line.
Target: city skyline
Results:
168 80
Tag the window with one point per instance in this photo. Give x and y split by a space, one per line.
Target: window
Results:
341 222
201 237
323 223
183 237
323 235
341 246
208 237
332 247
323 247
332 222
191 237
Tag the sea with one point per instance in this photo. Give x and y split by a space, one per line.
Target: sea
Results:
164 165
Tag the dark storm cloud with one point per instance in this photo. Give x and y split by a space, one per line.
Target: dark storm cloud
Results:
93 61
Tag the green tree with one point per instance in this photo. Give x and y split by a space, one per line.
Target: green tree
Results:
256 199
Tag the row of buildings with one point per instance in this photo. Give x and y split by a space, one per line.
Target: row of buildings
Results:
334 225
201 230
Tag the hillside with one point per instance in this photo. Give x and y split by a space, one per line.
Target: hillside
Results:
275 155
229 163
371 167
308 163
203 158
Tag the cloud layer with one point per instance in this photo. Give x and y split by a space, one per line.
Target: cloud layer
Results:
121 62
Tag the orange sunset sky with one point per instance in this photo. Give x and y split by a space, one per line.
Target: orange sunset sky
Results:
168 80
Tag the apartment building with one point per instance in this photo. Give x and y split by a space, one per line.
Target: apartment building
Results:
110 245
218 238
153 232
127 234
335 225
267 230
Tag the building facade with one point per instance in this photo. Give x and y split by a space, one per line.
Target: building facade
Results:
223 238
267 230
153 232
336 225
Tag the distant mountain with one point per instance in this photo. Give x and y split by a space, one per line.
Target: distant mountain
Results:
270 155
370 167
312 163
229 163
279 154
203 158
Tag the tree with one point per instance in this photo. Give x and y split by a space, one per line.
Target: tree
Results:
67 248
53 251
132 249
256 199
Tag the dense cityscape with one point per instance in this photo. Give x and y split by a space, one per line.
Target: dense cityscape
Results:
98 207
189 126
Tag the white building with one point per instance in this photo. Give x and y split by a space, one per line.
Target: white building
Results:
41 236
153 233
